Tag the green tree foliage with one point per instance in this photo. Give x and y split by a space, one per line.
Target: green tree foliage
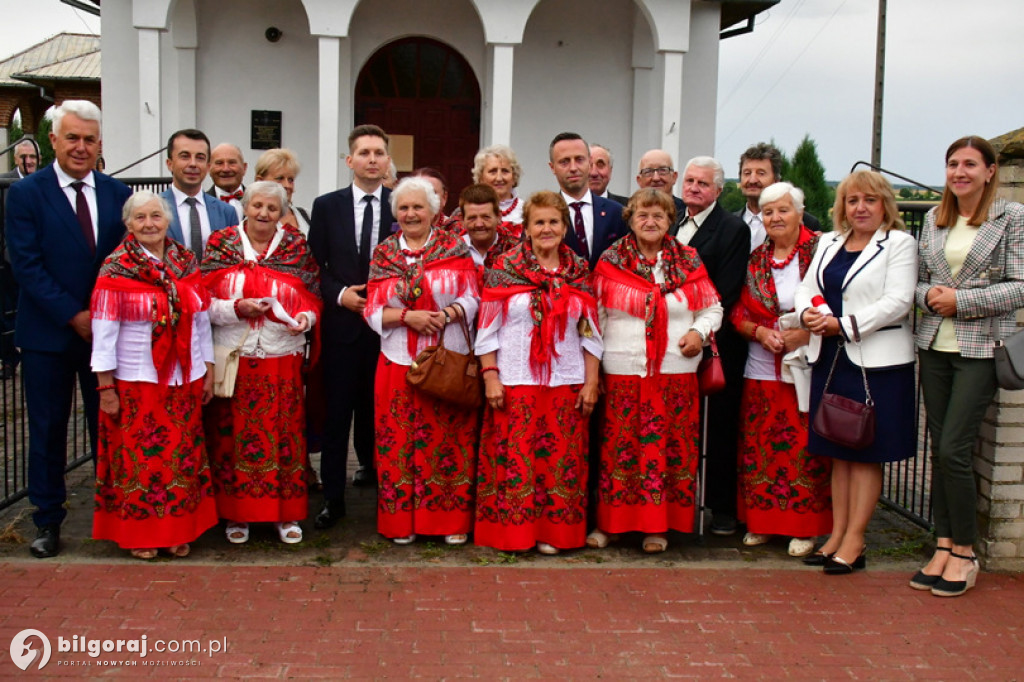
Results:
807 173
43 138
732 198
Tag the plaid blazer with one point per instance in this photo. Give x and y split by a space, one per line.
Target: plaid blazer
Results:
982 294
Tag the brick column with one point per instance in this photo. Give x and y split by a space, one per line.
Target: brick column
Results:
1000 461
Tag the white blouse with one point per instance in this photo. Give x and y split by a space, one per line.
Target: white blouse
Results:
272 339
394 340
625 351
760 361
511 339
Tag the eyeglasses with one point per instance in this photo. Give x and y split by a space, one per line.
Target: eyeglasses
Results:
661 170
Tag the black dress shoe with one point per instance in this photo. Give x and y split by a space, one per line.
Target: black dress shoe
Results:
333 511
836 566
816 559
47 542
723 524
364 477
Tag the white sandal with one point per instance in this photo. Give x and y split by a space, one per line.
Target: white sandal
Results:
237 532
545 548
408 540
290 532
655 544
456 539
755 539
598 539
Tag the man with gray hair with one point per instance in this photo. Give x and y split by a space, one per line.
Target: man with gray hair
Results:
655 171
227 170
601 161
26 160
62 222
723 243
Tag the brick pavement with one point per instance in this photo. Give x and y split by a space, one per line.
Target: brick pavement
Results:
352 621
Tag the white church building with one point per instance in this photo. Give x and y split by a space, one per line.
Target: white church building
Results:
446 77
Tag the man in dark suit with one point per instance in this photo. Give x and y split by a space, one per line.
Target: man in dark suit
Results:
345 227
62 222
722 241
601 162
760 166
227 170
194 214
595 223
655 171
26 160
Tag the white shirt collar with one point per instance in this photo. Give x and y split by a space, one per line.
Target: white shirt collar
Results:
703 215
358 194
179 196
65 180
586 198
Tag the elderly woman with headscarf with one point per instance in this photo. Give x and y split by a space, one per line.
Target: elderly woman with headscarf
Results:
152 353
784 489
540 346
422 283
657 307
264 284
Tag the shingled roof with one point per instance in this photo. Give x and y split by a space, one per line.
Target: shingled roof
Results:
65 56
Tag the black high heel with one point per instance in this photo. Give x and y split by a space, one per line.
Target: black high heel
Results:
954 588
924 581
817 559
836 566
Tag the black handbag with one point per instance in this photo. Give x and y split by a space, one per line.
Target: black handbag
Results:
842 420
1007 353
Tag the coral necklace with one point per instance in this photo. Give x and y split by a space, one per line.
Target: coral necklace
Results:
779 265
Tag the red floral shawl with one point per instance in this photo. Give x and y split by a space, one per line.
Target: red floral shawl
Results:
555 297
625 281
444 261
759 300
290 267
132 287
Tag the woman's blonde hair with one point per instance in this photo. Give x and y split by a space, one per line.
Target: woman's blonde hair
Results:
871 183
272 158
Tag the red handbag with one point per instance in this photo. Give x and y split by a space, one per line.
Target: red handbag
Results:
710 375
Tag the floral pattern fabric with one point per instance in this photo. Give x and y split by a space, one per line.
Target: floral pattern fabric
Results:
783 489
258 445
532 471
649 453
425 459
153 485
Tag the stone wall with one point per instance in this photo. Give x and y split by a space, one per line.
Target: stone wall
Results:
999 464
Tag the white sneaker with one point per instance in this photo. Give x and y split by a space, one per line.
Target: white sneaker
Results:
754 539
801 546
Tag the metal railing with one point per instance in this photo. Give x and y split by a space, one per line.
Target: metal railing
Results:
14 425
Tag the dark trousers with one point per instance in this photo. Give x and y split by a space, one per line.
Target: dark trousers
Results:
49 389
957 392
349 370
8 308
723 417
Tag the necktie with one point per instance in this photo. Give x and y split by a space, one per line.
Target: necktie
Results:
364 236
581 231
237 194
195 227
84 216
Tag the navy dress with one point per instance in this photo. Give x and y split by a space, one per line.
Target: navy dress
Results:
892 388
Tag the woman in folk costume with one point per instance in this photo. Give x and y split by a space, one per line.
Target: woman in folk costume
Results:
264 284
783 489
153 355
422 281
658 307
540 347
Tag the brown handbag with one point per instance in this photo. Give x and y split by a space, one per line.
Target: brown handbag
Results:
710 375
447 375
846 422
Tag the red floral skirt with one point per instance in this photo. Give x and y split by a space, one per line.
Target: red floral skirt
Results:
532 480
257 443
783 489
425 459
152 477
649 452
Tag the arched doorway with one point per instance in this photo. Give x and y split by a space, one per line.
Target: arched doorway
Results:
424 88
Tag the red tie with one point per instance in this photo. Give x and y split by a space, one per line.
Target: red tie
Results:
581 232
237 194
84 216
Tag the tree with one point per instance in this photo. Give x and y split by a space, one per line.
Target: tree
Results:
732 198
807 172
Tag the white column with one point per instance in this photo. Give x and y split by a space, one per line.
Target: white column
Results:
672 102
187 113
498 117
149 100
329 134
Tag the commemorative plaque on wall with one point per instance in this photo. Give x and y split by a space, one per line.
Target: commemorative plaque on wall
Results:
266 130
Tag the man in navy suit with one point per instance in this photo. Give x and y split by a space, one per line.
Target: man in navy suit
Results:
194 214
62 222
723 243
760 166
345 227
595 223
